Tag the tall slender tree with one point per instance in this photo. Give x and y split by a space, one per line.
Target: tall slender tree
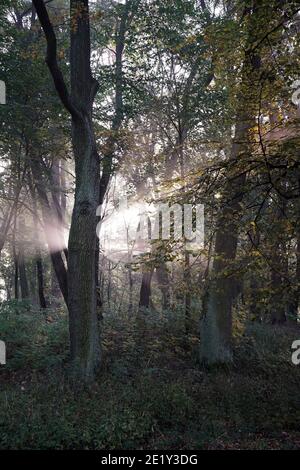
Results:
84 334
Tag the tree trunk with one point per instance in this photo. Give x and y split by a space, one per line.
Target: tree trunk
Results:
63 186
21 262
164 284
16 275
145 292
83 325
187 272
56 253
109 148
130 281
84 335
23 275
40 279
216 322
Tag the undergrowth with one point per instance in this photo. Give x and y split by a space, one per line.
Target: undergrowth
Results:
151 393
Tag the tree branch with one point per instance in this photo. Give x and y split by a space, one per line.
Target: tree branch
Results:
51 58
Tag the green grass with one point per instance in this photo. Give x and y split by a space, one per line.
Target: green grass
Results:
150 394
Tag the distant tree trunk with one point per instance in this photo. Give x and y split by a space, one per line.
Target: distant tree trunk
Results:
54 286
187 273
16 276
21 262
145 291
55 179
63 186
56 253
49 218
8 290
15 256
109 284
109 148
130 281
164 284
11 212
57 213
23 275
38 257
40 279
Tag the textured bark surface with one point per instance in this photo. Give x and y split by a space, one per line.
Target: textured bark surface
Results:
81 294
84 334
85 345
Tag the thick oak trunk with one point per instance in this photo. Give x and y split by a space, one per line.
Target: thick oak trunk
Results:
84 335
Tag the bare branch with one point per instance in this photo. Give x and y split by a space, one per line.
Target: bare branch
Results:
51 57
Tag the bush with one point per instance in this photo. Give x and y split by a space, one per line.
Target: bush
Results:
33 340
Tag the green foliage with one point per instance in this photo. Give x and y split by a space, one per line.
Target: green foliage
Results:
151 393
33 340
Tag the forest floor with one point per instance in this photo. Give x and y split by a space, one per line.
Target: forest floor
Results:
151 392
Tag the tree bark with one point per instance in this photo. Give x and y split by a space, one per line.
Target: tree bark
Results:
83 325
84 335
216 322
40 279
21 262
187 272
130 299
16 275
145 291
23 275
